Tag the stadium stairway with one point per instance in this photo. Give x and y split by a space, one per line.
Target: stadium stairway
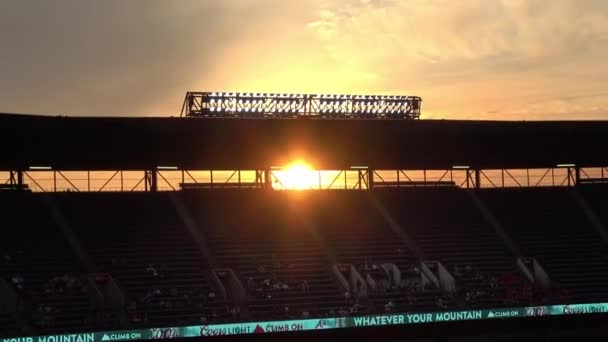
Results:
8 325
296 237
548 225
143 245
448 227
267 233
360 236
37 252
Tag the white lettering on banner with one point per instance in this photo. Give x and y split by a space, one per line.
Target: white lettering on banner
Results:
503 314
537 311
121 336
573 310
163 333
419 318
207 330
284 327
68 338
18 339
457 316
379 320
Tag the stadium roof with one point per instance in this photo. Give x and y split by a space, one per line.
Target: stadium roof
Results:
110 143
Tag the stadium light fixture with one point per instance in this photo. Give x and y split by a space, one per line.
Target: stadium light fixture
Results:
566 165
40 168
359 167
461 167
276 103
166 167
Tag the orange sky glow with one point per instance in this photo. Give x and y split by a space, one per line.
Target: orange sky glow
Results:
467 59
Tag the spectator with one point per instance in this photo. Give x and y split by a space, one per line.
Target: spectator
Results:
493 283
235 312
8 260
386 285
132 306
356 307
346 296
211 296
457 272
305 287
152 271
277 286
188 298
389 306
440 302
411 300
17 281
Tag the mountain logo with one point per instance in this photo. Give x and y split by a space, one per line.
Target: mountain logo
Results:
491 314
258 329
105 337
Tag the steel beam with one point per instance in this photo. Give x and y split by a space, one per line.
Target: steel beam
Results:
273 105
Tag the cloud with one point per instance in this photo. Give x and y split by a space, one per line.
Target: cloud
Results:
463 49
115 57
511 59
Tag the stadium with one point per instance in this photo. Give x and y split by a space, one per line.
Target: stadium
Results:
273 216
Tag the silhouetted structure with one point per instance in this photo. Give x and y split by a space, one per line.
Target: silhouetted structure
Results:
201 255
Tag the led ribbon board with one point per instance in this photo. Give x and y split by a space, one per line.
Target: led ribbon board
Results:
316 324
270 105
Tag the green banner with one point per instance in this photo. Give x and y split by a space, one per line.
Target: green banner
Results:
316 324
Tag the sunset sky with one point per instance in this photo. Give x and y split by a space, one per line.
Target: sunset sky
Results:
467 59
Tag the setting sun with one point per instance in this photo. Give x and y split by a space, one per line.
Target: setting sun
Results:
298 175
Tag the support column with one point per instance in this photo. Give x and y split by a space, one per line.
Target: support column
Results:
154 181
267 179
18 182
146 180
259 177
151 180
370 179
577 175
477 179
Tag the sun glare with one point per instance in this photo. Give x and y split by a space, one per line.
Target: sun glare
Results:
296 176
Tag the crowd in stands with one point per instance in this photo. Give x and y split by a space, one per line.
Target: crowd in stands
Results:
274 278
168 299
171 286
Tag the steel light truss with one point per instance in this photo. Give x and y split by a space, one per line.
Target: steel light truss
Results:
160 179
260 105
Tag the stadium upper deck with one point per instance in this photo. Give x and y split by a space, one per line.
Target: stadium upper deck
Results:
110 143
